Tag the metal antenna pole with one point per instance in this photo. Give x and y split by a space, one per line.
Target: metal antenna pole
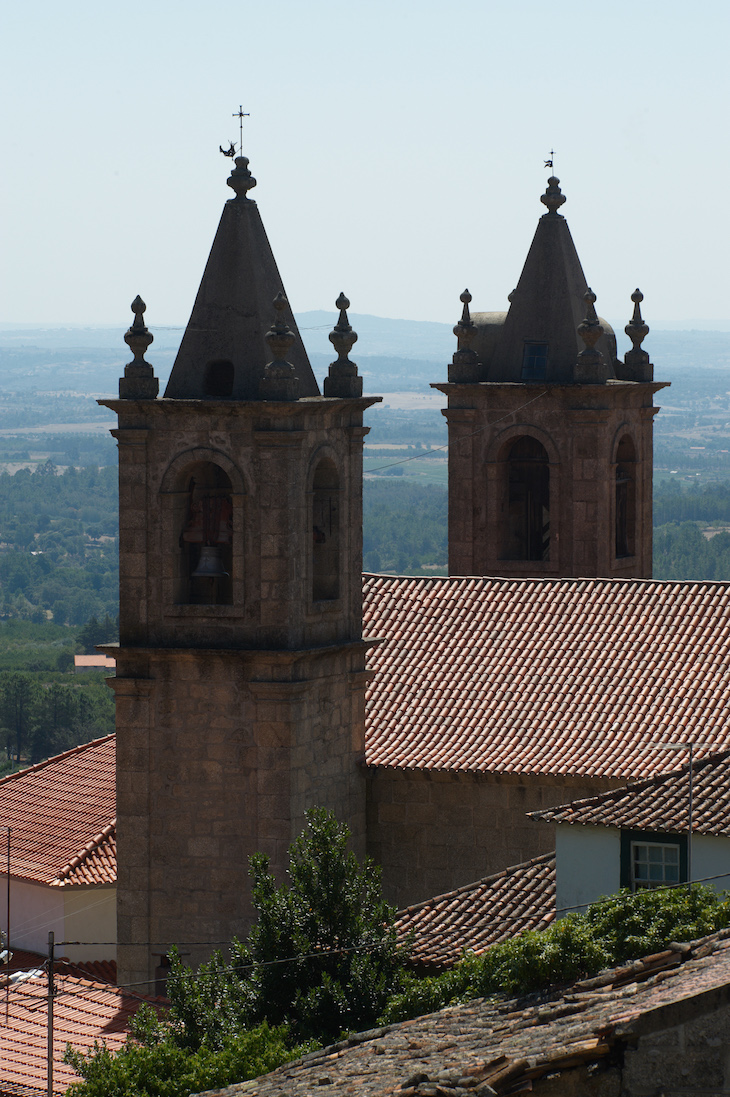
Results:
51 994
9 957
689 836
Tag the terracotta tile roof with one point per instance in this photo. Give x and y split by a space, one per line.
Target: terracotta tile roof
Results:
62 817
480 914
564 676
83 1010
660 803
511 1044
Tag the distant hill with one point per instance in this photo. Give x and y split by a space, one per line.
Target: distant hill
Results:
393 355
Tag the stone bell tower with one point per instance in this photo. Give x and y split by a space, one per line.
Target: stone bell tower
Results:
241 664
550 434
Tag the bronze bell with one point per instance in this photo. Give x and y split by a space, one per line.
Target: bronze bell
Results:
210 564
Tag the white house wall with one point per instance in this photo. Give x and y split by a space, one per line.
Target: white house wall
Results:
34 911
91 915
587 865
710 857
79 914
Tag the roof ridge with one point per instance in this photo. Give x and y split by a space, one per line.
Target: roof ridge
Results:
83 854
56 758
553 580
611 795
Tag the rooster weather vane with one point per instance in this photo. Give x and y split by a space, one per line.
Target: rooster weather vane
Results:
240 114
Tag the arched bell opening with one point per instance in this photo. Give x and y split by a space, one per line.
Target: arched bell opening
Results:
325 532
526 533
625 499
204 521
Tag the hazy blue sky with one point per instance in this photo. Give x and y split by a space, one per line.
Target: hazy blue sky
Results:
398 148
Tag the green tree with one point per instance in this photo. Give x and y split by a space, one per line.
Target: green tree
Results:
19 698
321 957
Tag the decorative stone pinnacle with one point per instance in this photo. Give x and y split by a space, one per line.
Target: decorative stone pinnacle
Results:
342 380
241 180
636 329
280 337
636 360
139 381
553 197
591 329
342 337
590 367
280 381
465 330
465 365
138 337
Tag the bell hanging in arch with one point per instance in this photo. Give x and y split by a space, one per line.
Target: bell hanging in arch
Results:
210 564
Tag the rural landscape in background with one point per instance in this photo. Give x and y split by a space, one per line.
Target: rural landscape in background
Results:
58 491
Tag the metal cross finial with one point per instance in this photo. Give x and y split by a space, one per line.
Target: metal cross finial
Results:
240 115
549 163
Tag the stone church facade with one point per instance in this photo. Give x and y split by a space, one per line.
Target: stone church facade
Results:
242 667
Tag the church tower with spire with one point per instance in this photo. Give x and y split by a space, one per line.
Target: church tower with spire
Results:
550 434
241 664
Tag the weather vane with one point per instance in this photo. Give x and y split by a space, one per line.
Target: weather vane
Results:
549 163
240 114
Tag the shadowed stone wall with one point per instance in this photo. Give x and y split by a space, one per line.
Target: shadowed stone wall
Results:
433 831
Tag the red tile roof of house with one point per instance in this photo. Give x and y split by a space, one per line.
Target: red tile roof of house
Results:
83 1011
660 803
480 914
562 676
94 662
61 813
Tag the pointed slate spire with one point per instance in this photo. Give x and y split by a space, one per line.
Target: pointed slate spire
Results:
342 380
465 365
547 305
226 333
139 381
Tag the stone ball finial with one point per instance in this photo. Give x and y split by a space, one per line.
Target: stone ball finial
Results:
553 197
342 380
139 381
138 337
241 180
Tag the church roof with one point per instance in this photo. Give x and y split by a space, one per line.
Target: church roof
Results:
62 817
545 676
480 914
234 307
659 804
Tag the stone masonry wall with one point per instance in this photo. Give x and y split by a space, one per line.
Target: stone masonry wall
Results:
691 1058
433 832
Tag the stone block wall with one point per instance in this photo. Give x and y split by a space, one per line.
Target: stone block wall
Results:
434 831
579 426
